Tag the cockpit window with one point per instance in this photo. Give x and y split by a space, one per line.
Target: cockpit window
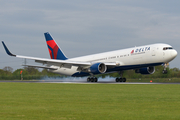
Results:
167 48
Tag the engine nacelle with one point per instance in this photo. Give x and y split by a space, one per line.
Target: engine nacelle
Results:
146 71
98 68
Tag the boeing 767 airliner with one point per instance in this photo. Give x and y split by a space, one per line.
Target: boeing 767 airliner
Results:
141 59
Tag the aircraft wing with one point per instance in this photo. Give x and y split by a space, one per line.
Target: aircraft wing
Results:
61 63
50 68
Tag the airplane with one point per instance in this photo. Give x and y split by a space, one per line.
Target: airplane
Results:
142 59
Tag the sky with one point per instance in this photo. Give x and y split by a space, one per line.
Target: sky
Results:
86 27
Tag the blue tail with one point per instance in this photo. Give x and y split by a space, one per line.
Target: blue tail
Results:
54 50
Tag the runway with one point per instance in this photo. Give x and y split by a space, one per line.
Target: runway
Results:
80 82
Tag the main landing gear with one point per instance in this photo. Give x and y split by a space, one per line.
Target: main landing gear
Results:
121 79
92 79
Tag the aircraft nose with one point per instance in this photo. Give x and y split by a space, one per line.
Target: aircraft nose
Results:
174 53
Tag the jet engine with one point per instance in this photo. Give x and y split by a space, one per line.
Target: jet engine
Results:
98 68
146 71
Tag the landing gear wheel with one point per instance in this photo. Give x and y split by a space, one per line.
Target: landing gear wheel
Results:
117 79
165 72
92 79
124 80
165 68
88 79
95 79
120 79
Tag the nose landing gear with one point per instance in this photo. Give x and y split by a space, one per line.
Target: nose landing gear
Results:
165 72
165 68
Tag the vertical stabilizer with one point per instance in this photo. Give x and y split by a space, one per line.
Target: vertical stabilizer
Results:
54 50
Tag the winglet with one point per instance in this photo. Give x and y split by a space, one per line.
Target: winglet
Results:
7 50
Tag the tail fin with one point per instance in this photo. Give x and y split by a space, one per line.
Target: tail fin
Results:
54 50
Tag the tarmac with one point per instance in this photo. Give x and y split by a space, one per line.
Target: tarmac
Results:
80 81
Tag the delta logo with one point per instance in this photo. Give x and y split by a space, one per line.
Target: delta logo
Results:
140 50
132 51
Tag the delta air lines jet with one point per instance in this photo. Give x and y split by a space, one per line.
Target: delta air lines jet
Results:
142 59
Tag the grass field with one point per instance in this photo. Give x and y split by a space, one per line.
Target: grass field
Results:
156 80
24 101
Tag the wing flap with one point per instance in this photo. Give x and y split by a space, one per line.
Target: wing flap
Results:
51 68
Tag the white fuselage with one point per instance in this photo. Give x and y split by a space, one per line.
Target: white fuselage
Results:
131 58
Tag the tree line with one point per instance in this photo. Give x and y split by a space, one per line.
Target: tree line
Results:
31 73
27 73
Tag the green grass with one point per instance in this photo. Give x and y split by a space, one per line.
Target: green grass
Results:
155 80
24 101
